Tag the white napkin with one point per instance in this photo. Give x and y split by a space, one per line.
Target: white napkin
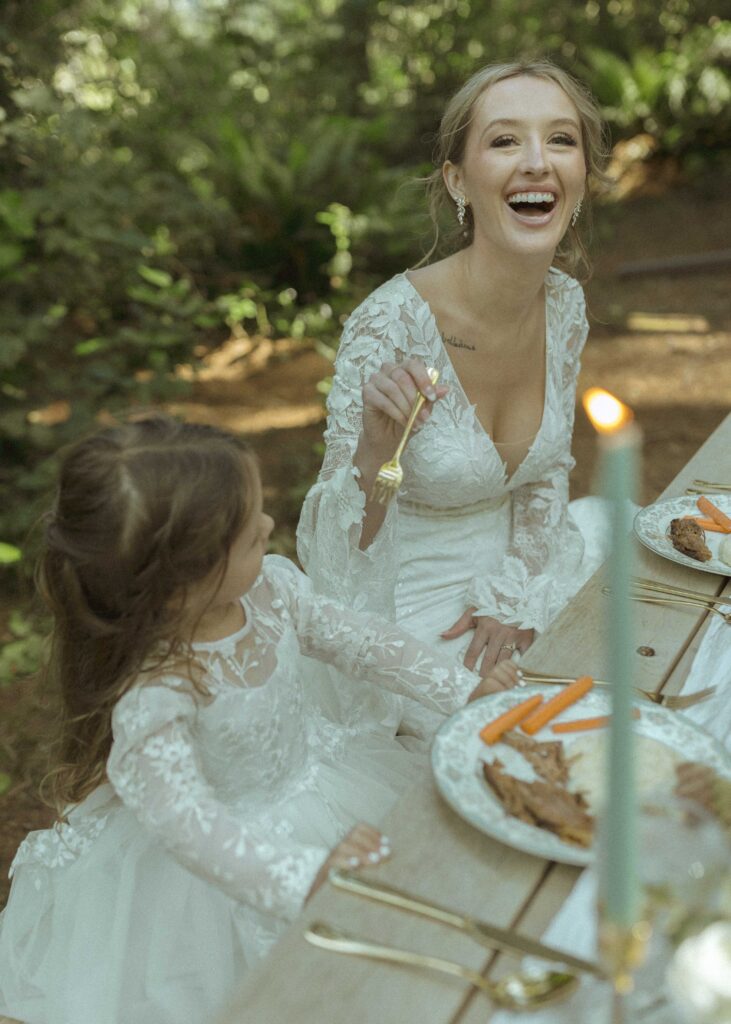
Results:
712 667
574 927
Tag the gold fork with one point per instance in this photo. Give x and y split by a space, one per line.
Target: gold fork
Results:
701 486
667 588
671 599
673 701
390 476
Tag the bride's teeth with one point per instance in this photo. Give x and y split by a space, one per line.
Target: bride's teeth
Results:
532 197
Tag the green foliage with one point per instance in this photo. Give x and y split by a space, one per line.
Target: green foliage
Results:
21 656
172 173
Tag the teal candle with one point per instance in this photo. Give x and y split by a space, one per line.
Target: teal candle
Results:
619 445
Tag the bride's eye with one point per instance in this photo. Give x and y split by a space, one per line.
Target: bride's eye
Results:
503 140
564 139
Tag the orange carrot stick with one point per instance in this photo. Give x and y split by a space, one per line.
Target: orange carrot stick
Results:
571 693
709 509
494 730
707 524
579 724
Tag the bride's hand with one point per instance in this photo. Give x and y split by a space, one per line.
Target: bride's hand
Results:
493 641
388 397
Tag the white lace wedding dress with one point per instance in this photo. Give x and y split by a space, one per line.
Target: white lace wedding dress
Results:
462 531
182 870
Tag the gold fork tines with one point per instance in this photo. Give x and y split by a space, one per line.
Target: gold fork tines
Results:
390 476
673 701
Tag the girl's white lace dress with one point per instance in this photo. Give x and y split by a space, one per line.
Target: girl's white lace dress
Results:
462 531
181 871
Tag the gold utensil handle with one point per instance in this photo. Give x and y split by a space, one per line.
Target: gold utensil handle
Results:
418 402
638 593
326 937
699 486
491 936
668 588
541 677
382 893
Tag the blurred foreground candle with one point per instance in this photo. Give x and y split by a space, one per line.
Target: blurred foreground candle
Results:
619 446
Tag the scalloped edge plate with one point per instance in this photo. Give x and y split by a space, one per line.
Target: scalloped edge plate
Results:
651 525
458 752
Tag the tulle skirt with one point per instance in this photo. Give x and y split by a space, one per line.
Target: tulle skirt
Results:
112 929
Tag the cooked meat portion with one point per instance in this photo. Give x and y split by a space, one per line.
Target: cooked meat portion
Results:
546 758
547 805
689 538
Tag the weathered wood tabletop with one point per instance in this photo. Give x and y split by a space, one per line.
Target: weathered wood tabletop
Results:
441 857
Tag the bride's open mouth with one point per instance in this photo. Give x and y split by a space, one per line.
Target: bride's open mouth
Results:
532 207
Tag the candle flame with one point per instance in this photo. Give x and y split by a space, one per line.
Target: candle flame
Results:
607 413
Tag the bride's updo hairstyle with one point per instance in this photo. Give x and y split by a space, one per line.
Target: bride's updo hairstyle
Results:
452 141
143 511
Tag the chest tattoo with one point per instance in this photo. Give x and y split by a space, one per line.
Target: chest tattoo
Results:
456 342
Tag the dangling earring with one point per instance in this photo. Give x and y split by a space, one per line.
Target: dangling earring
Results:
575 214
461 207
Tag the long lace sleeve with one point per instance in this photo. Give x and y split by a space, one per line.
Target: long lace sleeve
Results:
330 523
154 768
367 647
535 577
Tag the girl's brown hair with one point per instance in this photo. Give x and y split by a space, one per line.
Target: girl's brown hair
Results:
452 140
143 511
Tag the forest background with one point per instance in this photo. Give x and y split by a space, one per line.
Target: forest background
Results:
195 193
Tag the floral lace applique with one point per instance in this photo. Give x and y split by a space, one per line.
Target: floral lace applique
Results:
450 464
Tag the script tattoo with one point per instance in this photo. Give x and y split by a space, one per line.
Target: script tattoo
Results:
458 343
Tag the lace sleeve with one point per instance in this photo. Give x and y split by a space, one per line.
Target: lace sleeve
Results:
366 647
329 529
535 577
154 768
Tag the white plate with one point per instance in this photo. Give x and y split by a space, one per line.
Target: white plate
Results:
458 753
653 522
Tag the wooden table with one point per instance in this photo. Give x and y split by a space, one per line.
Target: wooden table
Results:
441 857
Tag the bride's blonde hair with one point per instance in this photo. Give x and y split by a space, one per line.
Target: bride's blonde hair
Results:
452 141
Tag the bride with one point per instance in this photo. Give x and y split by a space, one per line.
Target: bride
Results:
481 550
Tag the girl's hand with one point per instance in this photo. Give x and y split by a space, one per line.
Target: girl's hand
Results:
388 397
363 846
492 640
503 677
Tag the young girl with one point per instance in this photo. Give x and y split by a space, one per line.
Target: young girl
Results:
206 794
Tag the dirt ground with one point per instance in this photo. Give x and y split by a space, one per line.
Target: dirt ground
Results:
660 341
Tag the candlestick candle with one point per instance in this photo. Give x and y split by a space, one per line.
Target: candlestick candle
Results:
619 445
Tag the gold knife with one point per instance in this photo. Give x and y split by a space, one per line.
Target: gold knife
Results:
487 935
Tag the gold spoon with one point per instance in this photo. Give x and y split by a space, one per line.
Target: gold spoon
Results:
519 991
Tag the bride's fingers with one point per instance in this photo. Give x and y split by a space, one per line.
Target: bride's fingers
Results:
395 393
417 371
382 389
479 645
525 639
463 625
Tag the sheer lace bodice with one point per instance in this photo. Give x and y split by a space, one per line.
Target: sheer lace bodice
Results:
452 470
214 778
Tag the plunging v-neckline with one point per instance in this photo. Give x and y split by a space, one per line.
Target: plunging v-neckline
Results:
507 477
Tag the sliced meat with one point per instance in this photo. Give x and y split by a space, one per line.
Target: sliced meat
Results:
689 538
547 805
546 758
